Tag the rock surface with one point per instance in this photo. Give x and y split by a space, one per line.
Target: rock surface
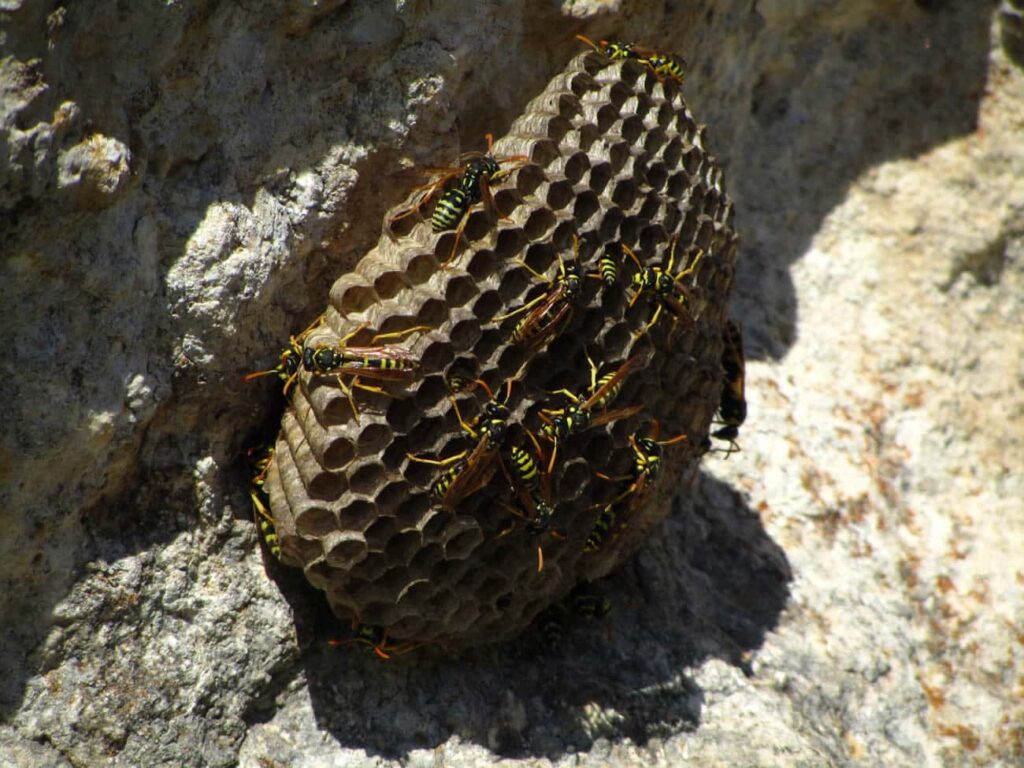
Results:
180 184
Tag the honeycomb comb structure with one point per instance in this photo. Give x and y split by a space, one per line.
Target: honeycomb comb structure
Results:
614 156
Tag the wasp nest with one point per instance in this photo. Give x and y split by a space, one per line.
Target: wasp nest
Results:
614 158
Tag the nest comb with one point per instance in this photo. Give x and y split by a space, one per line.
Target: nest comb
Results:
614 156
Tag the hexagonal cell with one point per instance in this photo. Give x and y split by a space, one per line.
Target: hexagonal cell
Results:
367 478
461 538
343 549
403 545
379 533
356 514
315 522
464 334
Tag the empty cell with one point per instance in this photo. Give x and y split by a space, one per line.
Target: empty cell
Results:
367 478
577 165
301 550
678 184
505 202
377 614
320 574
559 195
380 532
599 177
373 439
390 284
606 117
411 511
436 356
340 451
654 140
356 299
624 193
672 153
487 305
464 334
403 545
415 593
618 156
480 266
656 176
509 243
632 129
544 152
433 313
357 514
538 224
461 539
392 494
490 588
315 522
528 178
666 115
650 208
344 549
672 218
420 268
587 204
402 413
325 486
540 256
460 290
693 160
588 136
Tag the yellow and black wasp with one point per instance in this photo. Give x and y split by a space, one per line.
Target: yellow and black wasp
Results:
663 65
462 187
577 413
377 362
646 467
549 313
260 459
474 467
605 523
531 486
608 266
613 49
732 407
667 288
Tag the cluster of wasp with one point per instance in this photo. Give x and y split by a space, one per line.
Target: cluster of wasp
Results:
525 469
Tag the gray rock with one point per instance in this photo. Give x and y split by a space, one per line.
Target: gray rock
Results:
180 184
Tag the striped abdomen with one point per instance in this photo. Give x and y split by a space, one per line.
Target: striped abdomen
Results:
450 209
525 467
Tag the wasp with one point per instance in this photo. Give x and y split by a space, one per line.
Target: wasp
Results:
665 286
663 65
603 525
607 267
473 468
549 313
287 369
614 49
378 362
260 459
377 639
646 467
462 188
531 485
576 415
732 407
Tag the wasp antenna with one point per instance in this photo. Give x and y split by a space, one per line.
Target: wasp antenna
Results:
258 374
588 41
490 141
675 439
487 389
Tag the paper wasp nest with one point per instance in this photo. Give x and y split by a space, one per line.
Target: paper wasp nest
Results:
615 156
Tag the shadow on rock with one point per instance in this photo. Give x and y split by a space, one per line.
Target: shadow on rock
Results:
874 86
712 585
